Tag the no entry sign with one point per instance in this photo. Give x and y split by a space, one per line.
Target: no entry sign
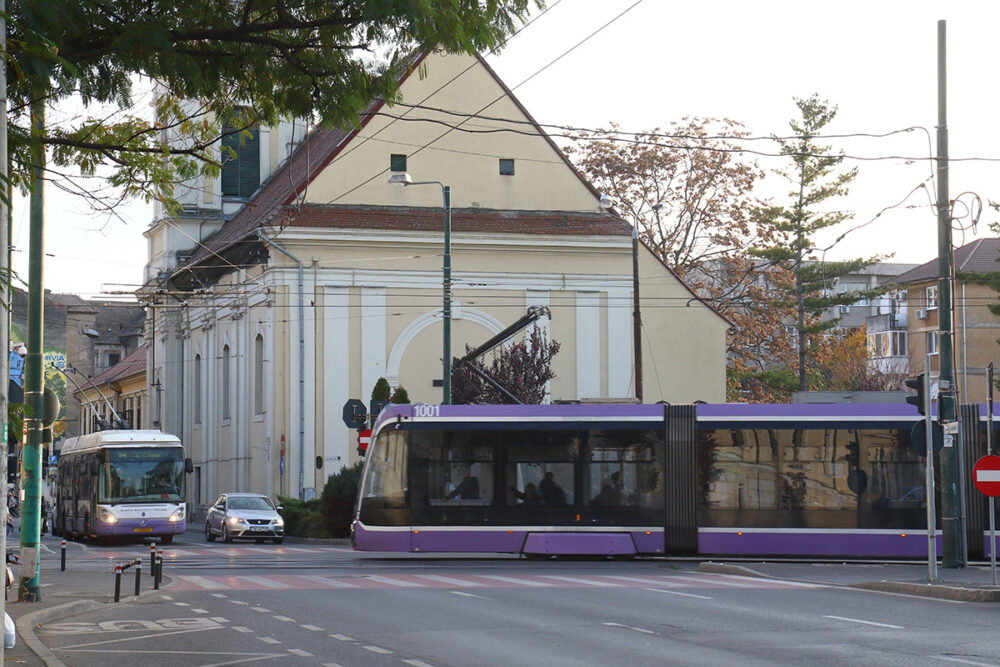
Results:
986 475
365 437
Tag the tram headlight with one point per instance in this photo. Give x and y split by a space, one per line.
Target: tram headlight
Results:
104 515
178 515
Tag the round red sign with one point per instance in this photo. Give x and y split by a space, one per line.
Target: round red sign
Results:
364 437
986 475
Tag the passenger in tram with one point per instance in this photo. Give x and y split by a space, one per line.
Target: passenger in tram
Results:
611 491
552 493
529 496
467 489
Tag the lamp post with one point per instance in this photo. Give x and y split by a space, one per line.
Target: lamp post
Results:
404 179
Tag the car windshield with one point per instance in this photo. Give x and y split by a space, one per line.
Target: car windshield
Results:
250 503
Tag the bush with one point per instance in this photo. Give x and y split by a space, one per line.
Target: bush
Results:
303 518
339 494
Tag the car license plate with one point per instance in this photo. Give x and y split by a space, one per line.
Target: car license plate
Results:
142 530
258 527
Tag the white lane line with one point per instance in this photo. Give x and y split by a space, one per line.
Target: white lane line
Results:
166 597
240 602
586 582
958 660
329 582
263 610
219 619
448 580
629 627
710 580
377 649
220 595
286 619
858 620
264 581
240 628
643 580
766 580
687 595
269 640
417 663
180 552
300 549
332 664
203 582
513 580
182 604
343 638
298 651
312 628
393 582
200 611
468 595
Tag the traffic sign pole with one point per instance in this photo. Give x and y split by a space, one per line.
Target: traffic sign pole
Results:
929 481
986 477
989 450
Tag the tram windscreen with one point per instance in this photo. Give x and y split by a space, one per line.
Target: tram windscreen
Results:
139 474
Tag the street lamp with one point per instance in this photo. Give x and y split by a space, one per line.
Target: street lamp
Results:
404 179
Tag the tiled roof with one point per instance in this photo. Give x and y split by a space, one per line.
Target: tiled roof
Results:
470 220
980 256
133 364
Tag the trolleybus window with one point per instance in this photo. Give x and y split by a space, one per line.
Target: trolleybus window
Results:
133 474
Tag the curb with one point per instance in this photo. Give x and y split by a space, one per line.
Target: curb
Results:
738 570
26 626
932 591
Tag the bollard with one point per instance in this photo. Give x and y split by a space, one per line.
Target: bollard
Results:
159 563
62 557
138 574
118 582
152 557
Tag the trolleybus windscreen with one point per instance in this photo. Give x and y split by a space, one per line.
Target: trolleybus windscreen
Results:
142 475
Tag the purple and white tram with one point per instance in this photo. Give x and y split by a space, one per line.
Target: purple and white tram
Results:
624 479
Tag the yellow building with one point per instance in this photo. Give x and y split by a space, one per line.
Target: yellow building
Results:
265 321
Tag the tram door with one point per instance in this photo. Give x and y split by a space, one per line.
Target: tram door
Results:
680 532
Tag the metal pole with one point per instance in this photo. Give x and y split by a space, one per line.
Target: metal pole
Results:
138 574
929 479
34 378
446 271
118 582
989 450
5 292
636 315
62 556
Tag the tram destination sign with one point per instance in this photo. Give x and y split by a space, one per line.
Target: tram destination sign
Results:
986 475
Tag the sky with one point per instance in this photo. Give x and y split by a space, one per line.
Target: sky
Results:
644 64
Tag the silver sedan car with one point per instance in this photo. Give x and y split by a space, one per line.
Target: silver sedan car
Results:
249 516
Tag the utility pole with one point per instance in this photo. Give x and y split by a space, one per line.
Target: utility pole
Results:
954 543
5 291
636 314
34 375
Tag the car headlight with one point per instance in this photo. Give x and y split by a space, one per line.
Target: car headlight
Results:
104 515
279 521
235 521
178 515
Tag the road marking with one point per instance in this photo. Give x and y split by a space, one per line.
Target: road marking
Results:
200 611
958 660
264 610
240 628
219 619
331 664
858 620
642 580
468 595
766 580
240 602
166 597
298 651
629 627
264 581
180 552
687 595
711 580
326 581
574 580
417 663
286 619
393 582
312 627
448 580
343 638
182 604
513 580
203 582
377 649
219 595
269 640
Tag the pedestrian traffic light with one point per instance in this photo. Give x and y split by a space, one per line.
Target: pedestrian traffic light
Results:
918 400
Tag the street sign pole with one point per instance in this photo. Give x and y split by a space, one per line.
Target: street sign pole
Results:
986 477
929 482
989 451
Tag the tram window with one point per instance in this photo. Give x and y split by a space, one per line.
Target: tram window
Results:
623 471
386 472
461 474
541 475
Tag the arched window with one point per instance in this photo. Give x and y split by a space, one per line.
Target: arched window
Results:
197 389
226 410
258 375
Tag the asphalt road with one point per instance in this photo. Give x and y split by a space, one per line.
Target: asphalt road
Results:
326 605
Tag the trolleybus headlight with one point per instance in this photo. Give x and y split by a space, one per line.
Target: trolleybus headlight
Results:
106 516
178 515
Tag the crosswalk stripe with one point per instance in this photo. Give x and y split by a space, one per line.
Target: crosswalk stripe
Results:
575 580
203 582
644 580
326 581
264 581
462 583
715 581
514 580
394 582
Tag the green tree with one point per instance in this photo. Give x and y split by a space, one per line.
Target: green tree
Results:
256 61
381 391
816 178
400 396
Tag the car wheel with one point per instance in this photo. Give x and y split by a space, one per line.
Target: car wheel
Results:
226 537
278 540
209 536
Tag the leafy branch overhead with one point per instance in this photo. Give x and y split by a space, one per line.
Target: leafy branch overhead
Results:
324 61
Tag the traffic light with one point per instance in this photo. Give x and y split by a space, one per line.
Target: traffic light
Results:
918 400
854 454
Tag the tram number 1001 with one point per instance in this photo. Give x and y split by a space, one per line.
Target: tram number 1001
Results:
426 410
